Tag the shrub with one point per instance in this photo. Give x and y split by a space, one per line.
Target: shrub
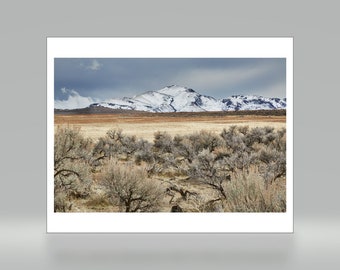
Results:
184 148
144 152
128 187
207 140
273 164
204 140
162 142
233 139
240 163
280 141
211 172
118 145
61 202
250 195
255 135
71 165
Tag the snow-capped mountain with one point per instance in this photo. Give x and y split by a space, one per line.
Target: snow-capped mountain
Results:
182 99
251 102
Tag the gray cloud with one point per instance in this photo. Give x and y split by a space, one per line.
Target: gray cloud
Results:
246 79
105 78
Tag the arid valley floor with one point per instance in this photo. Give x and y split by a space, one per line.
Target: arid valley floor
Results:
144 125
179 188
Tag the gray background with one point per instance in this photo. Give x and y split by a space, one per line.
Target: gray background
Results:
24 27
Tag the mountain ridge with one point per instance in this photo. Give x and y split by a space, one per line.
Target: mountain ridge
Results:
176 98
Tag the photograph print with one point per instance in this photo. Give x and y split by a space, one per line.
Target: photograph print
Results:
150 135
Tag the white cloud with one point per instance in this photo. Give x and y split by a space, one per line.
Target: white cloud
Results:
95 65
74 100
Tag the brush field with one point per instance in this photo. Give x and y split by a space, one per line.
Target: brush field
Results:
170 162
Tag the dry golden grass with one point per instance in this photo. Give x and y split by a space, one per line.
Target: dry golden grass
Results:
144 126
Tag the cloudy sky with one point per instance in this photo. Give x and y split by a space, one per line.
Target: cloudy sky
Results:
81 81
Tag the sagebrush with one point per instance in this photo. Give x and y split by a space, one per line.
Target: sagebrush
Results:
241 169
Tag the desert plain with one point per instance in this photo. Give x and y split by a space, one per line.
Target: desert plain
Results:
144 125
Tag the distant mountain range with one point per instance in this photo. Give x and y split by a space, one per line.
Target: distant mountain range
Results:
176 98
